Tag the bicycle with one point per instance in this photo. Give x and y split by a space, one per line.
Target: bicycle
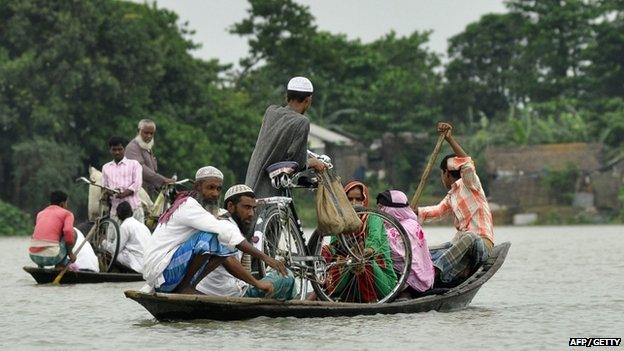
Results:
105 241
334 277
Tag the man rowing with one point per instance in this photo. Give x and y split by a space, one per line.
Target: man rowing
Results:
467 204
283 137
190 242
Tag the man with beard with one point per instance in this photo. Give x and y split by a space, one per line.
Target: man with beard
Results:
140 149
190 242
240 203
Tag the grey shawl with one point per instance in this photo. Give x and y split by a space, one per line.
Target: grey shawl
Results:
152 181
283 137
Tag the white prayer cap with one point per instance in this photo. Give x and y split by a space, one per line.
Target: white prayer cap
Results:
208 172
236 190
301 84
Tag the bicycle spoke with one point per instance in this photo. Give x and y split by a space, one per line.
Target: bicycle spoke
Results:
365 268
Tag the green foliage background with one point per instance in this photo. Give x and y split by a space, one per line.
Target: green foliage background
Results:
73 73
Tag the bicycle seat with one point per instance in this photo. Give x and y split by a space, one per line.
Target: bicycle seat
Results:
286 167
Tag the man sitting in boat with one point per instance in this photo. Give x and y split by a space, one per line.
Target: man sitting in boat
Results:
133 238
53 238
86 260
190 242
232 278
466 202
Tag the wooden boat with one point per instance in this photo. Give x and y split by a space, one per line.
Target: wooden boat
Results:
188 307
47 275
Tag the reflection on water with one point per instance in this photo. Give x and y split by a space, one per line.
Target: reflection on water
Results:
557 283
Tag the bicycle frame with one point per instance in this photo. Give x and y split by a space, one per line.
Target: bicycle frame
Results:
286 210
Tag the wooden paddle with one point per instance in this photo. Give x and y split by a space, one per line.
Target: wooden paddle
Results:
423 179
57 280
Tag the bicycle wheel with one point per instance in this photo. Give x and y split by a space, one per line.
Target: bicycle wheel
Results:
367 267
284 242
105 243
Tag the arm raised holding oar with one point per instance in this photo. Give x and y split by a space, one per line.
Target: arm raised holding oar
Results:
466 202
432 159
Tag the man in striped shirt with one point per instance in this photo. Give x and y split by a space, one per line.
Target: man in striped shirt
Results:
467 204
124 175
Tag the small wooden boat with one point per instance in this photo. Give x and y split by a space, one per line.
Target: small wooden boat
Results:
188 307
47 275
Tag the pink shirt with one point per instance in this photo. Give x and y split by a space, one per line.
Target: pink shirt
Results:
127 174
54 222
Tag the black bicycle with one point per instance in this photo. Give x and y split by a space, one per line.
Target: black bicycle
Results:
105 241
365 267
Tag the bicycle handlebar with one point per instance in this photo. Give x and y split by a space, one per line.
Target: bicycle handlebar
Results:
92 183
323 158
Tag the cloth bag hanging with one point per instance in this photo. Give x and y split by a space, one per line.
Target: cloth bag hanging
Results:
334 211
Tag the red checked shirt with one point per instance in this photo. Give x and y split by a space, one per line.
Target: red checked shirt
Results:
127 174
466 201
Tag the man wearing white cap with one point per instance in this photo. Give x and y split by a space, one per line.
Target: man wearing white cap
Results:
231 278
190 242
283 137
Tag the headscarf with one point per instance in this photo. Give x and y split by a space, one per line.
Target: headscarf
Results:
354 184
394 203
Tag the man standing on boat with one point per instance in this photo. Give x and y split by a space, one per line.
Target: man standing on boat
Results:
232 278
466 202
283 137
190 242
141 149
125 176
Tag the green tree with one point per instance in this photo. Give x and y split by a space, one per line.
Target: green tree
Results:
486 73
362 89
73 73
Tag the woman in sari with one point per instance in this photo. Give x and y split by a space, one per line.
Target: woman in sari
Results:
394 203
375 279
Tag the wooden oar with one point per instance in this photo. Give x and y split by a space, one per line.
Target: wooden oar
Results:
57 280
423 179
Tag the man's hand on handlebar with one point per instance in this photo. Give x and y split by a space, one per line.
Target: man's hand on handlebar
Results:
169 181
125 193
317 164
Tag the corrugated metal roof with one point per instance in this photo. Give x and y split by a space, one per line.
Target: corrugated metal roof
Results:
328 136
536 158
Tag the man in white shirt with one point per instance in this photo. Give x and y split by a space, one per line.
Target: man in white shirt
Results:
133 238
190 242
240 202
86 260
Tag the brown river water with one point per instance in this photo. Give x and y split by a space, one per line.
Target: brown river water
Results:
557 283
